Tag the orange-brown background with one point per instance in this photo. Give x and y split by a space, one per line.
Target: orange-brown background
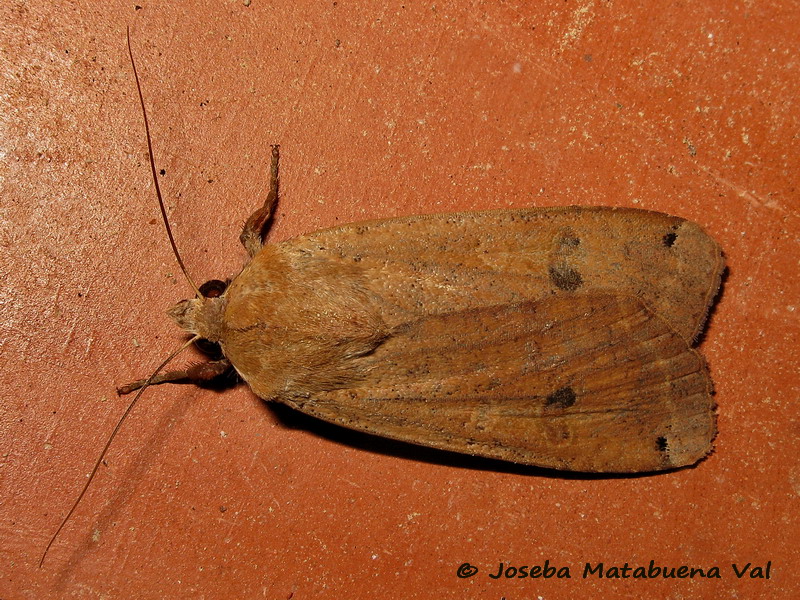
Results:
381 111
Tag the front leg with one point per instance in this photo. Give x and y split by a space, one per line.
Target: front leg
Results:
257 226
197 373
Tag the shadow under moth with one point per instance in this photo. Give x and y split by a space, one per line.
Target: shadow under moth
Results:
556 337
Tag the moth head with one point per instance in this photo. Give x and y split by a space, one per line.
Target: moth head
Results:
203 316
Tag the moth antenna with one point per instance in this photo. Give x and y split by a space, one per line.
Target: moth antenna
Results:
111 439
153 169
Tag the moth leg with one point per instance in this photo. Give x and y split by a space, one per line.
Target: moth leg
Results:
196 373
257 226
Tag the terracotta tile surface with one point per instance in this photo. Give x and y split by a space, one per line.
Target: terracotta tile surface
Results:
380 111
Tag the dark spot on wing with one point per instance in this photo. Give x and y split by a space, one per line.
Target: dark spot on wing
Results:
565 278
669 239
569 239
562 398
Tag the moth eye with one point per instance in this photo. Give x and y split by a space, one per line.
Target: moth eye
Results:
213 288
210 349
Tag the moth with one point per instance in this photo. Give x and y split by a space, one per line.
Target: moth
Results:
552 337
555 337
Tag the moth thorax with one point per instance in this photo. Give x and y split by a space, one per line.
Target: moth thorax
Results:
201 316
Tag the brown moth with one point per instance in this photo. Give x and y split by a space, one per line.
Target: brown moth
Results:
551 337
556 337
